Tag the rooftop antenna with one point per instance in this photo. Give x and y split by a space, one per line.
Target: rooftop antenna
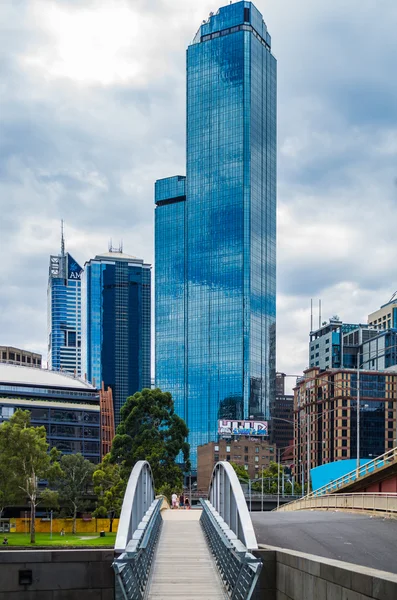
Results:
110 245
62 240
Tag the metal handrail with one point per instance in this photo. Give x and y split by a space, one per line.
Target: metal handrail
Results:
227 497
369 467
138 497
132 568
365 501
137 535
238 568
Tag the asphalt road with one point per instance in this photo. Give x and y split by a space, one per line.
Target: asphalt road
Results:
359 539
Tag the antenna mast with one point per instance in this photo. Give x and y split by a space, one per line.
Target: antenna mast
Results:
62 240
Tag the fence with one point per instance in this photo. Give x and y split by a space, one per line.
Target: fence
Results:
380 502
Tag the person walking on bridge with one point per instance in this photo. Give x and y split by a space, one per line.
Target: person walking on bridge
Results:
174 499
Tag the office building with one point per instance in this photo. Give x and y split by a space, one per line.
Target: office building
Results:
64 313
252 454
116 292
66 406
332 348
282 416
17 356
325 415
215 242
380 351
386 316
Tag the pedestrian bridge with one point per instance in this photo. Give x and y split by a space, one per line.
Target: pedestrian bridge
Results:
196 554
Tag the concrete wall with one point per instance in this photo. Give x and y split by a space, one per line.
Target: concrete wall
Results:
289 575
57 574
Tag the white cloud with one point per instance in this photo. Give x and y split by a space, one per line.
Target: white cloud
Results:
93 111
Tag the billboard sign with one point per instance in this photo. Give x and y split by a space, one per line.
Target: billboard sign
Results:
255 428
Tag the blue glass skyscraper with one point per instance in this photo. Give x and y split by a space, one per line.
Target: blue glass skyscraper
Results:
64 313
116 298
215 243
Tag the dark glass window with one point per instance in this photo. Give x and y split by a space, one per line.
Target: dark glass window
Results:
246 15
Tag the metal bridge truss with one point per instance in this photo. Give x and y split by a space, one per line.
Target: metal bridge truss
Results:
137 535
229 531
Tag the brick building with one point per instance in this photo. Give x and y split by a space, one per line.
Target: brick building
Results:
325 415
252 454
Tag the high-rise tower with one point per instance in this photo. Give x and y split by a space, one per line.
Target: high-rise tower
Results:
116 292
216 232
64 312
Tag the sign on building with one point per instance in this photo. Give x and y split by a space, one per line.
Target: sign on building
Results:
255 428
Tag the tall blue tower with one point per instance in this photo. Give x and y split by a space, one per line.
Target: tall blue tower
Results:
215 242
64 313
116 327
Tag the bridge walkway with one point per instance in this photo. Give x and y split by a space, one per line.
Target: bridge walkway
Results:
183 564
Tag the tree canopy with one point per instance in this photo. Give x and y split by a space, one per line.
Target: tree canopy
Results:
73 482
109 486
151 430
25 449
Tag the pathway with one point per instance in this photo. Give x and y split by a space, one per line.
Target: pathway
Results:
183 565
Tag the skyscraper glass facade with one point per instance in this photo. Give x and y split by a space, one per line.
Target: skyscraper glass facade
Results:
116 297
220 360
64 314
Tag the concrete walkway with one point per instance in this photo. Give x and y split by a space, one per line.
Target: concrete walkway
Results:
183 565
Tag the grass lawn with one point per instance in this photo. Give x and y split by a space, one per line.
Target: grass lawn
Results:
67 540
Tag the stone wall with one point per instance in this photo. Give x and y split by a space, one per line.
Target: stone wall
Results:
290 575
56 574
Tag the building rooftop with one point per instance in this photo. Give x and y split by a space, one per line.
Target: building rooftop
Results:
118 255
19 375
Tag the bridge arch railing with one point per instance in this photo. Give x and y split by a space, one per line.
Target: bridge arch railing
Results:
230 534
137 534
227 497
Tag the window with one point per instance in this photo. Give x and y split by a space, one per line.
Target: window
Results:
7 412
216 448
256 458
344 453
12 355
344 423
344 432
344 442
216 457
257 450
227 448
344 402
246 15
246 467
228 457
246 449
246 458
344 414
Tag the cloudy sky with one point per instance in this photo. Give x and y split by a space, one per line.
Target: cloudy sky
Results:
92 111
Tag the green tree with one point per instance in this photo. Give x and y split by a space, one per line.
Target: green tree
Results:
10 491
49 499
72 483
26 450
241 473
109 486
150 430
271 480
